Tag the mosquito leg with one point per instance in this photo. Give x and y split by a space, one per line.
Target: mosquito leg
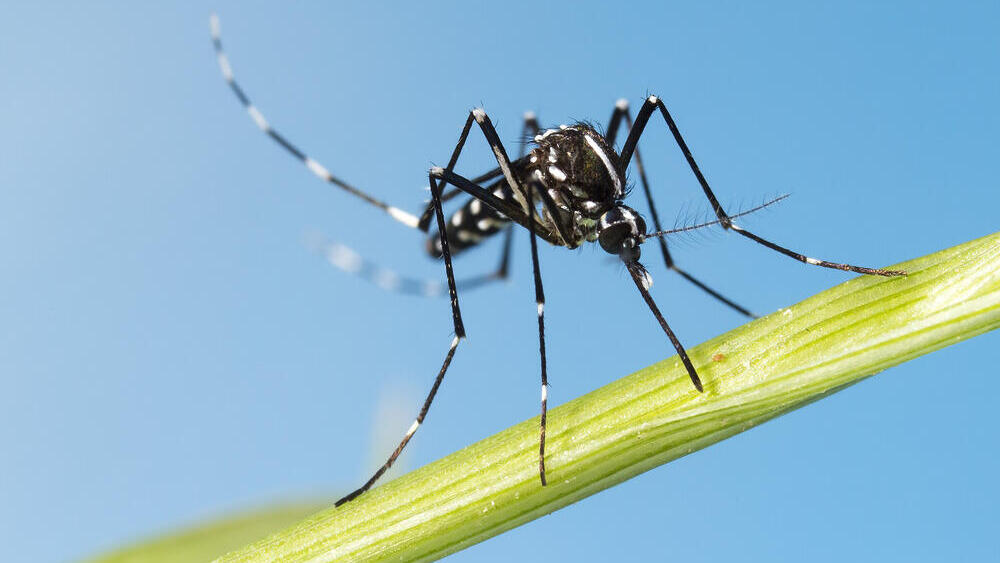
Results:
653 103
510 210
503 160
540 302
434 176
639 276
425 218
466 226
315 167
528 220
350 261
520 213
529 129
347 259
459 335
622 113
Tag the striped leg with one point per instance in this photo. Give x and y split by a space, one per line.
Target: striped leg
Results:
424 222
620 113
436 189
315 167
540 302
347 259
518 210
558 234
459 335
529 129
653 103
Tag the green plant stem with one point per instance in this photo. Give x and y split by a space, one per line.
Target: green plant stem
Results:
752 374
212 538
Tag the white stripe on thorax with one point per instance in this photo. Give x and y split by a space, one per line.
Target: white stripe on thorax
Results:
607 163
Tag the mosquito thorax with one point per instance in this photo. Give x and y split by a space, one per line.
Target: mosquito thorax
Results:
581 172
619 232
578 159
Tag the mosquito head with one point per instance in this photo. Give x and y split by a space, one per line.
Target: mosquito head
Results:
620 231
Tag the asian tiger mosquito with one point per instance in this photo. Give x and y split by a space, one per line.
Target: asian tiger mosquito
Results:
568 190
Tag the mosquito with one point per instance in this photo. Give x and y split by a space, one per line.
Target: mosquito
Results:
568 190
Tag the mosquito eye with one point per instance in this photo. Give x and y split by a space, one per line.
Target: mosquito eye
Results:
611 238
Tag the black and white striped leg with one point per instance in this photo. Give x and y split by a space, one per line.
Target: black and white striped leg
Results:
540 302
620 113
315 167
350 261
511 210
653 103
503 160
484 195
347 259
459 335
428 214
424 221
642 282
518 211
529 129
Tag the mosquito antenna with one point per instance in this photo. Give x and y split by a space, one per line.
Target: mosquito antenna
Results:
764 205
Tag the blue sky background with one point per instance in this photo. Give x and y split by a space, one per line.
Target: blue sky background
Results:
170 349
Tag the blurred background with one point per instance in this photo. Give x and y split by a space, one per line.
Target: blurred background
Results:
172 350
